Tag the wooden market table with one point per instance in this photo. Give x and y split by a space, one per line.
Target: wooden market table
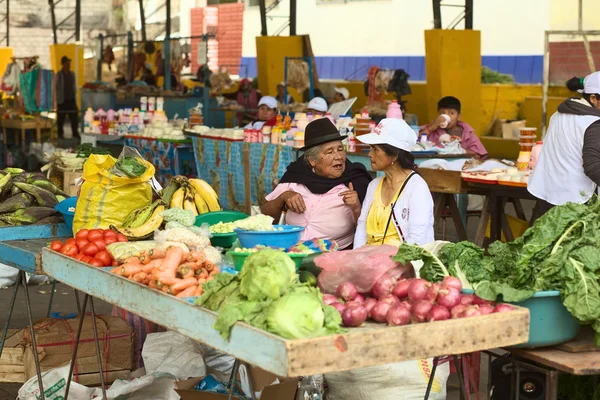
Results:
36 124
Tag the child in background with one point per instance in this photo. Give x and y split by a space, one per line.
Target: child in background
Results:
442 131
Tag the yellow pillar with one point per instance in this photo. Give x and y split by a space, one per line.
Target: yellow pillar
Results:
75 53
5 54
270 57
453 68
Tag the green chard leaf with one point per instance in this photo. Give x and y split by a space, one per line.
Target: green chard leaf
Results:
491 290
433 268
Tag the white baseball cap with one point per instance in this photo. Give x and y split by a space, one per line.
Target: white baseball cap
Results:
318 104
591 83
344 92
281 84
394 132
268 101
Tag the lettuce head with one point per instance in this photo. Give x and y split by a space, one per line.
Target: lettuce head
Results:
267 275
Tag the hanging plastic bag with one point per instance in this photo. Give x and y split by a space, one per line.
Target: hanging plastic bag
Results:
106 198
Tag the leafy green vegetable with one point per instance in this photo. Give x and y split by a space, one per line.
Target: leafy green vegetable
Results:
433 269
184 217
216 290
491 290
131 167
267 274
251 312
85 150
465 261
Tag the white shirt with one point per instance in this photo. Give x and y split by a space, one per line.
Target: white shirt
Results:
256 125
558 177
413 211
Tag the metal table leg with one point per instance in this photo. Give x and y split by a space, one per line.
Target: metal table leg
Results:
76 345
51 299
98 353
552 385
431 377
463 392
32 332
233 378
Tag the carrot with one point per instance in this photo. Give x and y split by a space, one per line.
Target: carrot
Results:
117 271
141 277
209 266
167 272
201 273
132 260
216 270
151 266
145 259
201 281
129 270
152 284
196 256
199 291
189 292
156 254
186 270
210 278
184 284
166 289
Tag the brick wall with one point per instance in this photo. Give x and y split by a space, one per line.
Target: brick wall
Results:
568 59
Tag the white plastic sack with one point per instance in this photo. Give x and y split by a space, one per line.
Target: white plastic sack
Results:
218 363
157 386
8 275
55 384
406 380
174 354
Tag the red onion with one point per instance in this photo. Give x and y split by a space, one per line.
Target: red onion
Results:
379 311
453 282
359 297
457 311
448 297
486 309
466 299
354 316
347 291
407 304
502 307
471 311
389 298
400 290
369 304
329 299
398 315
432 291
420 310
383 286
353 304
438 313
479 301
418 289
339 306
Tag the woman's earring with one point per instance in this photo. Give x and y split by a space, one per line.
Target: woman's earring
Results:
392 163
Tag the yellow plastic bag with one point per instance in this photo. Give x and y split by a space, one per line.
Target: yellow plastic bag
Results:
106 199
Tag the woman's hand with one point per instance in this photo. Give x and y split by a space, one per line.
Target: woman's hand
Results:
350 198
293 201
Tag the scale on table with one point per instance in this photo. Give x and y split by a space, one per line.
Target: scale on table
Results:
338 109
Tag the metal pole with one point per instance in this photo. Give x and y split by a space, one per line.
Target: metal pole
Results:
469 14
36 359
263 17
142 19
99 63
545 82
53 17
580 16
292 17
167 47
77 20
437 14
7 23
129 56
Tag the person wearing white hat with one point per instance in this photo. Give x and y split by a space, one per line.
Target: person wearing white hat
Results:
398 207
317 106
280 94
267 111
568 166
341 94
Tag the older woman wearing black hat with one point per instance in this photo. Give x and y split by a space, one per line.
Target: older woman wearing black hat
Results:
322 190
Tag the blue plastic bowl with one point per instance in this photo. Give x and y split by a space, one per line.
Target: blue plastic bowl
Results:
63 208
550 323
285 238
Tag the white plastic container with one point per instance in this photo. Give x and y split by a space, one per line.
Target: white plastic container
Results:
160 103
87 120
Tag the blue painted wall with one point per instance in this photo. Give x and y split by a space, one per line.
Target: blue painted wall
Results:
525 69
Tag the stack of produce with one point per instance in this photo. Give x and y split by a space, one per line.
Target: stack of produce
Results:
404 301
90 246
194 195
259 223
174 271
267 295
28 198
559 252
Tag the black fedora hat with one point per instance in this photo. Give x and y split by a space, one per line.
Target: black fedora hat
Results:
320 131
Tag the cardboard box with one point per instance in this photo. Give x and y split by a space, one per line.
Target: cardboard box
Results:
12 366
507 129
55 337
69 186
261 380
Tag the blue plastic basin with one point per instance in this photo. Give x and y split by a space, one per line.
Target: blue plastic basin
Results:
550 323
285 238
63 208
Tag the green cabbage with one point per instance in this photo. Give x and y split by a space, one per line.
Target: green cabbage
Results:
298 314
267 274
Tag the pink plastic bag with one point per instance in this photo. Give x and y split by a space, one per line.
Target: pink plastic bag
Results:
362 267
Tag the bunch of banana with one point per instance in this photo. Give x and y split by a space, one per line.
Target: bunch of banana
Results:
140 224
194 195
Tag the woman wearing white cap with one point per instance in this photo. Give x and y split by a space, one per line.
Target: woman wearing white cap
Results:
267 111
317 106
341 94
568 167
398 207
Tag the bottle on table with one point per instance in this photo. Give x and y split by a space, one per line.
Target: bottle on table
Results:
394 110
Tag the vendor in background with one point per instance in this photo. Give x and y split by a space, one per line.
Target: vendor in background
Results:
398 207
568 167
448 126
341 94
247 97
281 92
65 98
321 191
317 106
148 75
266 115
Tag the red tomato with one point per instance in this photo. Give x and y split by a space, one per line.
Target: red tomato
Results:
110 240
121 238
101 245
70 241
86 259
115 263
95 234
82 234
78 256
105 257
69 250
81 243
96 263
56 245
90 249
108 233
